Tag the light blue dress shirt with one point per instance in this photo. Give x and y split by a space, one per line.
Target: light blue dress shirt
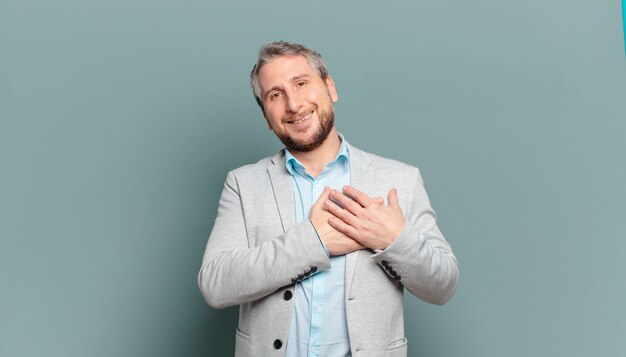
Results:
318 324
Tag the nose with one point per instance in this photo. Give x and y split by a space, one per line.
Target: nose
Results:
294 103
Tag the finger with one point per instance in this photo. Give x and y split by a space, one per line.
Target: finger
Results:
339 212
348 203
343 227
378 200
393 198
360 197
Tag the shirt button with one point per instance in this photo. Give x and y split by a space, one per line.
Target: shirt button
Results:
287 295
278 344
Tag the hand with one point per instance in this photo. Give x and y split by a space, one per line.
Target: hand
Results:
365 220
336 242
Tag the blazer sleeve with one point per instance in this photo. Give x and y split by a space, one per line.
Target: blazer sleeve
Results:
421 258
233 272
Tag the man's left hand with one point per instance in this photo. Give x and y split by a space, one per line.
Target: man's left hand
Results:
364 219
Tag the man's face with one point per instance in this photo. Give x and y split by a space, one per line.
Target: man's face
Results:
298 104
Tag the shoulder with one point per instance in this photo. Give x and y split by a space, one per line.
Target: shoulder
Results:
258 168
384 164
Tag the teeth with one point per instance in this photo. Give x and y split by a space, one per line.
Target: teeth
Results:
301 120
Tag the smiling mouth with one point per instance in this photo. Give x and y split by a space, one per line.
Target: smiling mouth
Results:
298 121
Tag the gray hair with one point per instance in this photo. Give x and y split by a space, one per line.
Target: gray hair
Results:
271 50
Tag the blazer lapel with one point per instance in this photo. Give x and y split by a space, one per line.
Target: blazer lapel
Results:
282 187
362 177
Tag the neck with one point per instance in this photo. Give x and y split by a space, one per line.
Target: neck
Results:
316 160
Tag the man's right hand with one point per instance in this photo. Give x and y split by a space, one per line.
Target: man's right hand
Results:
336 242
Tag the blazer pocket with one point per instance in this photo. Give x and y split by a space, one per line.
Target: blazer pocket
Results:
396 345
242 335
243 346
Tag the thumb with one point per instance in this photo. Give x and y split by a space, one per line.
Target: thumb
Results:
392 198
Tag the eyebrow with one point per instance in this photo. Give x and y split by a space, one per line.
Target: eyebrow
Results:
299 76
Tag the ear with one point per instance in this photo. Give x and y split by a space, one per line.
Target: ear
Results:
332 91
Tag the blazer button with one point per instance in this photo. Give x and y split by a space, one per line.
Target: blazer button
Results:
287 295
278 344
300 276
313 269
307 272
385 263
393 273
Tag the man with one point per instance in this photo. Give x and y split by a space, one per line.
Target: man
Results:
304 241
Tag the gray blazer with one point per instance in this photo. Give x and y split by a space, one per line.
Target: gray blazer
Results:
256 252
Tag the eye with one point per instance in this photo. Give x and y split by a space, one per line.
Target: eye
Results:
274 96
301 83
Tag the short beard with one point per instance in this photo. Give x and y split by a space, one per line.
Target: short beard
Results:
327 121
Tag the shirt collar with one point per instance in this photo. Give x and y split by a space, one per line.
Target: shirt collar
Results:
343 156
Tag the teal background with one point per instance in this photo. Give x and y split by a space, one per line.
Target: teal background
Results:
120 119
